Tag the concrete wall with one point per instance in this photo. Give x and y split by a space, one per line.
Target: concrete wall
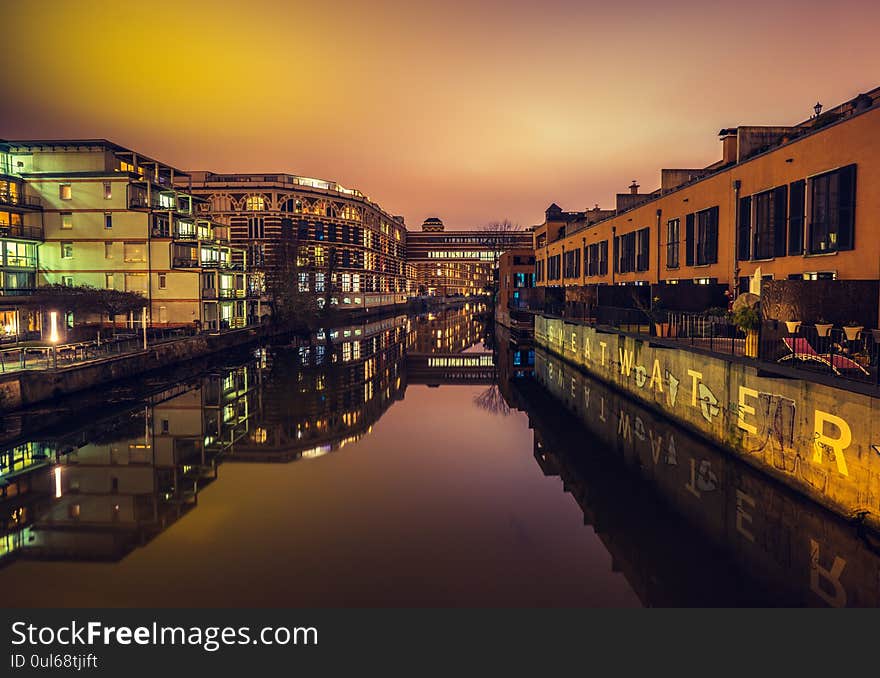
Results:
22 389
815 438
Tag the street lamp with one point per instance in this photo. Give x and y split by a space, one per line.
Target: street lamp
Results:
817 108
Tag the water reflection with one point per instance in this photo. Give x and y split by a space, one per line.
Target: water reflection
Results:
676 522
686 523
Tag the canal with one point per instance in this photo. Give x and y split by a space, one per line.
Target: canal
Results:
408 461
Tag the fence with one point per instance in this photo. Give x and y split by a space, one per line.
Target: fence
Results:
838 352
65 355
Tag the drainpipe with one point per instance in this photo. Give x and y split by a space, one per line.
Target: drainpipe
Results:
659 214
613 253
737 184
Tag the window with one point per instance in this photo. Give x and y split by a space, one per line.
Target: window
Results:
136 282
108 190
256 228
769 224
673 238
626 260
108 281
689 240
572 264
133 252
319 282
67 280
797 193
66 221
643 249
255 203
539 270
744 237
163 281
67 250
553 267
108 220
108 250
65 191
832 211
303 282
707 237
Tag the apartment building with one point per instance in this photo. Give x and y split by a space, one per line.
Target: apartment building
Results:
114 218
348 249
783 202
458 263
21 232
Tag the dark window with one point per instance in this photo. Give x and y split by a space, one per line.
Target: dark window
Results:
572 264
592 266
769 232
643 249
603 257
797 194
673 237
707 236
689 240
832 211
627 253
745 229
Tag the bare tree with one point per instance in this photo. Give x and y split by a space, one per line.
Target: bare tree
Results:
501 232
492 400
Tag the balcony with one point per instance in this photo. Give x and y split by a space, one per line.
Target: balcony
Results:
21 231
228 293
209 293
18 199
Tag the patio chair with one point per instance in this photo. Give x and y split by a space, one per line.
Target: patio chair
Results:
801 349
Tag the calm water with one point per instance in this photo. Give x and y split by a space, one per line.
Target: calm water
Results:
408 461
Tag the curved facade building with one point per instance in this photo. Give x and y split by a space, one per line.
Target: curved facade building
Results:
348 249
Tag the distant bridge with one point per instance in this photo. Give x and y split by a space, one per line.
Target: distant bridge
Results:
435 369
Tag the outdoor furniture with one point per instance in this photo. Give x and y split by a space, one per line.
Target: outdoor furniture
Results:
801 349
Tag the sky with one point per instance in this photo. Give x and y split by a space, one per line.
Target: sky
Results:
471 111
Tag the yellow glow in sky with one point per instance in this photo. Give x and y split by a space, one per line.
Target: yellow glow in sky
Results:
470 113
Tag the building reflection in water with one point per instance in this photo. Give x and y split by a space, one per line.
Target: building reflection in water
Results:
684 523
97 492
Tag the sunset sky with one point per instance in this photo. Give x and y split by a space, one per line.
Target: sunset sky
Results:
468 111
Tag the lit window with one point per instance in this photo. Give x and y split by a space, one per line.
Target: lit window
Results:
65 191
255 203
108 250
134 252
67 250
66 221
108 190
108 281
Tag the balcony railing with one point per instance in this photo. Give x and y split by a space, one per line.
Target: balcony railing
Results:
18 199
183 262
227 293
21 231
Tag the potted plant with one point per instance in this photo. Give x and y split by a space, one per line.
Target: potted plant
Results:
793 326
660 317
853 330
823 328
748 319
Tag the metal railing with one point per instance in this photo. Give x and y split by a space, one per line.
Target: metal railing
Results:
844 353
21 231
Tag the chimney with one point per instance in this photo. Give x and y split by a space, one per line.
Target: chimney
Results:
728 146
634 188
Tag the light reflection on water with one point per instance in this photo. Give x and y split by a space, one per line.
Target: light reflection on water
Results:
415 483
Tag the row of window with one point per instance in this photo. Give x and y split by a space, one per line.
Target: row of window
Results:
67 220
65 191
772 223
